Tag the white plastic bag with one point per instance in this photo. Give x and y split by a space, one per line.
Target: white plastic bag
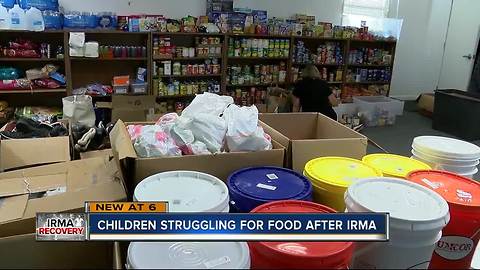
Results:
208 129
182 135
243 132
207 103
153 141
79 109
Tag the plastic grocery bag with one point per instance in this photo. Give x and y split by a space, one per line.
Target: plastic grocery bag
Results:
79 109
243 132
207 103
208 129
152 141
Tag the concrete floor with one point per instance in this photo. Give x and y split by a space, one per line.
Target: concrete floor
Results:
397 139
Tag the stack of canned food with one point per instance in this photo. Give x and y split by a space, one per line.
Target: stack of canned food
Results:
257 74
252 47
328 53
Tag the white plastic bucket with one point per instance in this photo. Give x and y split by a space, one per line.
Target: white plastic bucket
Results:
448 148
446 161
463 170
417 217
188 255
185 191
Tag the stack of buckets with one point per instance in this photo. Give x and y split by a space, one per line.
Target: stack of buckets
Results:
447 154
186 191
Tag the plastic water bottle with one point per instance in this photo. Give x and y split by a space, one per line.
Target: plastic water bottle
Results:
35 20
4 18
17 18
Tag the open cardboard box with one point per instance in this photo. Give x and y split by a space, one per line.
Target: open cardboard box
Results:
19 153
220 165
132 108
23 252
310 135
60 187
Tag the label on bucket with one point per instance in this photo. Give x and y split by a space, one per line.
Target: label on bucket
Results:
260 185
217 262
454 247
272 176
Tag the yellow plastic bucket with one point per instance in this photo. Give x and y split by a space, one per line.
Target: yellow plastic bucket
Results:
331 176
395 165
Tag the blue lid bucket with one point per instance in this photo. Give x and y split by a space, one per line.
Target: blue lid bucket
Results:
251 187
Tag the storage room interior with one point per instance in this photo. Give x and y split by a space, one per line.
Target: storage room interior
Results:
241 106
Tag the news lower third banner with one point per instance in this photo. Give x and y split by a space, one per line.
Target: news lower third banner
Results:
151 222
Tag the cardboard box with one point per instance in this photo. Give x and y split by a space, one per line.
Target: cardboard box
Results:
60 187
220 165
310 135
23 252
426 104
98 153
132 108
21 153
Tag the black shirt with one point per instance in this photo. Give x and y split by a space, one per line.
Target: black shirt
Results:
313 95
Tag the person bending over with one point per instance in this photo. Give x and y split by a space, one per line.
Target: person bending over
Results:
311 94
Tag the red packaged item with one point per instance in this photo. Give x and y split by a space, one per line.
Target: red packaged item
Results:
15 84
18 53
21 44
47 83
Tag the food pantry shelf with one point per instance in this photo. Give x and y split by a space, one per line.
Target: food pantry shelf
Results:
189 76
258 58
255 85
34 91
369 66
319 65
109 59
379 82
175 96
157 58
11 59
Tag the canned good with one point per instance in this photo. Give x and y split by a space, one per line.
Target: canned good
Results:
195 69
216 69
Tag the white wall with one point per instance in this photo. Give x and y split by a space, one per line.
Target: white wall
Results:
420 49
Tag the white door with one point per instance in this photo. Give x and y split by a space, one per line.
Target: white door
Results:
461 45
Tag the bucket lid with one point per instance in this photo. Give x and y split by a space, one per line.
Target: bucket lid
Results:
445 161
193 255
395 165
269 183
338 172
325 252
412 207
455 189
185 191
446 147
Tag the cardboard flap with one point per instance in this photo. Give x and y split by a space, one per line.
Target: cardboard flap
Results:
306 150
276 136
294 126
28 185
328 128
122 146
12 208
26 152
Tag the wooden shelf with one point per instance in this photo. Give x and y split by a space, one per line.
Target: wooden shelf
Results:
369 66
258 58
259 36
175 96
320 65
11 59
109 59
156 58
373 82
34 91
373 41
190 76
255 85
321 38
187 34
